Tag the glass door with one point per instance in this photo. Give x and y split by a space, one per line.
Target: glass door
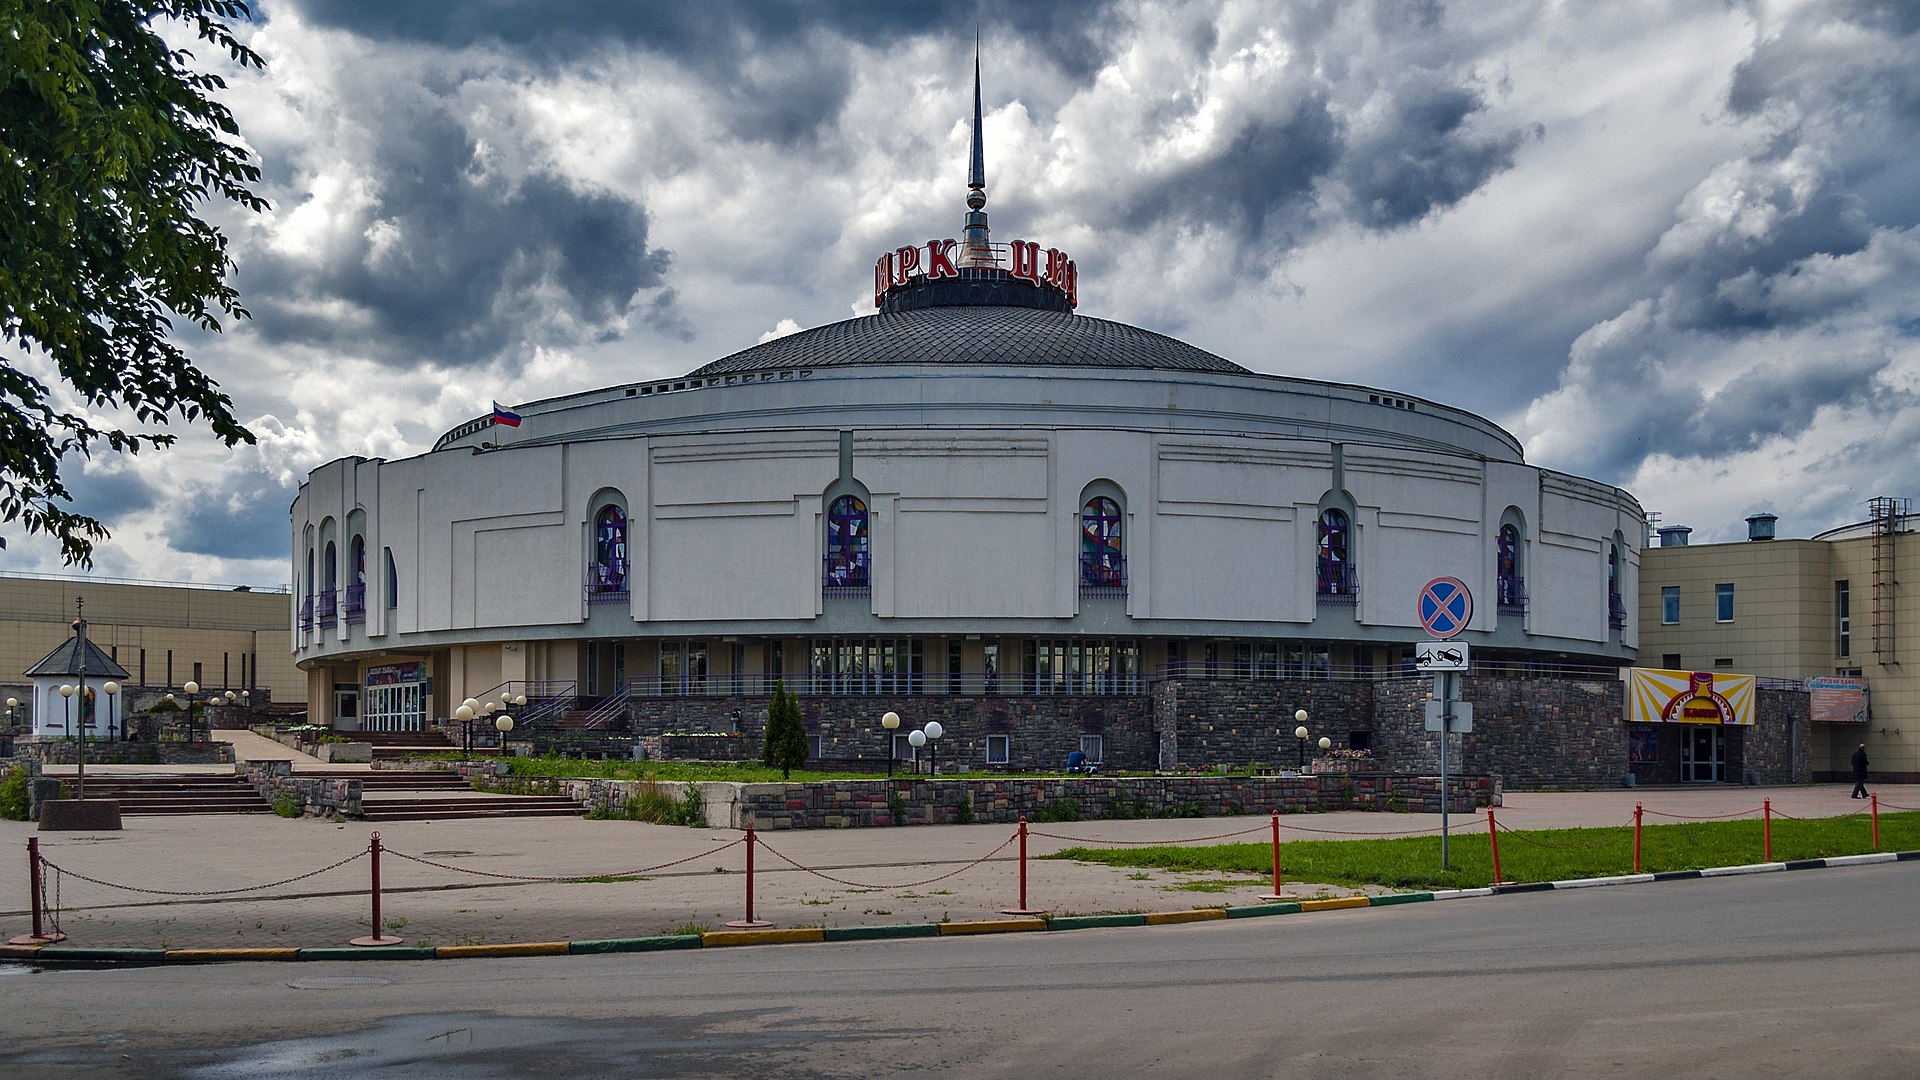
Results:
1702 755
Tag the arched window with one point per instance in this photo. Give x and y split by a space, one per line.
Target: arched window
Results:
393 582
1616 607
849 547
1334 576
607 576
1103 564
1510 589
306 602
357 588
329 607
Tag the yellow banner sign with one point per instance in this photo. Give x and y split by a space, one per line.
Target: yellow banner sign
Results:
1655 696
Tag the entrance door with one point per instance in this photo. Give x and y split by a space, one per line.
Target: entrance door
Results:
346 706
1702 754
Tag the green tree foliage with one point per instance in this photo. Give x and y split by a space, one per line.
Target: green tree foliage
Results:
785 745
109 147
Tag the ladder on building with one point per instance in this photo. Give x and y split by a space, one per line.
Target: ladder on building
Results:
1888 515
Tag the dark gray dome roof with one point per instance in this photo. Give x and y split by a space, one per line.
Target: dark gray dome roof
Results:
972 334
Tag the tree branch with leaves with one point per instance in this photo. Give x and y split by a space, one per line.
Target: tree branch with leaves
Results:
109 149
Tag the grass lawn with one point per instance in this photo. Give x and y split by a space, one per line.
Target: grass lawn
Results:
1540 855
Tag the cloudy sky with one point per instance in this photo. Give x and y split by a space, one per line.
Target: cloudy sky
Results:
1673 246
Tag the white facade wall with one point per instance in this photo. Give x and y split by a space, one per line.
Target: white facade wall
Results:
975 515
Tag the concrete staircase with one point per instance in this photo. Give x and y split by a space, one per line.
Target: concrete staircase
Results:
176 794
434 795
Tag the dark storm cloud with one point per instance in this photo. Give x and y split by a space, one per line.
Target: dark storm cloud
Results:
729 41
1423 158
106 494
1259 184
455 264
247 524
1775 399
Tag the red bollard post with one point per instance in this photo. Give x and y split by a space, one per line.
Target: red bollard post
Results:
749 923
1876 822
1493 838
378 936
1766 830
39 935
1023 909
1275 895
1638 811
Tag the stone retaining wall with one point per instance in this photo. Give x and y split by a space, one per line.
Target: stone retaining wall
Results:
853 804
61 751
319 796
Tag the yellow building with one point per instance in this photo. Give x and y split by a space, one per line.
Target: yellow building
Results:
165 635
1828 606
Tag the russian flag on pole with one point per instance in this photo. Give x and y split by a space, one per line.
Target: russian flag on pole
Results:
504 415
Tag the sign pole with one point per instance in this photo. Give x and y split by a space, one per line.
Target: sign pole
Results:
1446 727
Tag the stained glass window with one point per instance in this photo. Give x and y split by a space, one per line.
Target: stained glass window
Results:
848 544
1102 558
1507 568
1335 575
608 574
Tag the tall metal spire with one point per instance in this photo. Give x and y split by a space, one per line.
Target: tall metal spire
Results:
977 174
975 249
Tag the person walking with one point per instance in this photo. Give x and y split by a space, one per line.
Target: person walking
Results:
1859 773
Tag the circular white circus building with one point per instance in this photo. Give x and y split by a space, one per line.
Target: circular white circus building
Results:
974 494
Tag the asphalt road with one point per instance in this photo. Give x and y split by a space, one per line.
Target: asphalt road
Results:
1809 973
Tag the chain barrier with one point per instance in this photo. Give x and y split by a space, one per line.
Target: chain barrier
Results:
1343 832
1895 806
569 879
1707 817
57 869
1091 840
1523 838
902 885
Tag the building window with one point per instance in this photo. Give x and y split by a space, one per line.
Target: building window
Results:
997 746
816 747
1078 666
1510 589
1669 604
356 605
1670 661
1723 603
329 610
1616 607
1095 747
849 548
1335 582
1103 566
393 582
1843 615
607 574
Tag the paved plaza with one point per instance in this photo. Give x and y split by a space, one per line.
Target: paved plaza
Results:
259 880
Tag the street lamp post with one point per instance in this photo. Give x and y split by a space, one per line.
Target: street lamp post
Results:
934 731
504 725
191 688
464 714
13 708
891 722
1300 733
112 690
916 739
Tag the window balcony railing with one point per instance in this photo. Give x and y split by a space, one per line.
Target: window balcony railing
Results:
1510 595
328 614
840 580
1102 579
306 613
356 604
1616 612
1338 585
607 584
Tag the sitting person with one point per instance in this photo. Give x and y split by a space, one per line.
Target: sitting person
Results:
1077 763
